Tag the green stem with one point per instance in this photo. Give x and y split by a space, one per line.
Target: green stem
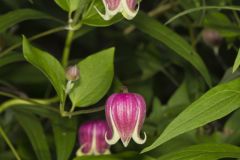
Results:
236 17
70 114
62 111
67 48
9 144
34 101
42 34
15 102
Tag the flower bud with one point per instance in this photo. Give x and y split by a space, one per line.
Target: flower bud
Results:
91 137
211 37
72 73
113 7
125 113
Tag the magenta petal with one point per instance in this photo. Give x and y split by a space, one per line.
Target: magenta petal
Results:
132 4
112 4
85 136
102 129
125 109
90 131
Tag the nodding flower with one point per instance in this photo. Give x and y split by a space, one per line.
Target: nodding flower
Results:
125 114
91 137
128 8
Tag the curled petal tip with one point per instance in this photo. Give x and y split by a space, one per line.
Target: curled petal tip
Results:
80 151
105 16
127 12
112 140
139 140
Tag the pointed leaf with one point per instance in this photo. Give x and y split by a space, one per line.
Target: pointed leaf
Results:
158 31
204 152
11 58
64 130
96 75
63 4
13 17
237 62
35 133
47 64
216 103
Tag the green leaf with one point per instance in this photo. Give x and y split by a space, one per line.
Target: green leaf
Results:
13 17
45 112
231 129
204 152
35 133
222 24
64 130
216 103
171 40
75 4
180 96
92 18
237 62
11 58
48 65
70 5
96 75
236 8
119 156
63 4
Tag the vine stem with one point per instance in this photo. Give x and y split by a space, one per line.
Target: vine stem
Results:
67 48
9 144
42 34
76 113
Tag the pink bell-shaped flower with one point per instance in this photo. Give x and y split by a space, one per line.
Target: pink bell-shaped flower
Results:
125 114
128 8
92 138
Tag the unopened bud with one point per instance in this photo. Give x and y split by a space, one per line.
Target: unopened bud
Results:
211 37
72 73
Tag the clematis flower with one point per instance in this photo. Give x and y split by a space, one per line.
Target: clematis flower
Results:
92 138
128 8
125 114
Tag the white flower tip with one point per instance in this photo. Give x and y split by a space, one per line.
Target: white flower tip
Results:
125 144
107 152
128 13
138 140
105 16
112 140
80 152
